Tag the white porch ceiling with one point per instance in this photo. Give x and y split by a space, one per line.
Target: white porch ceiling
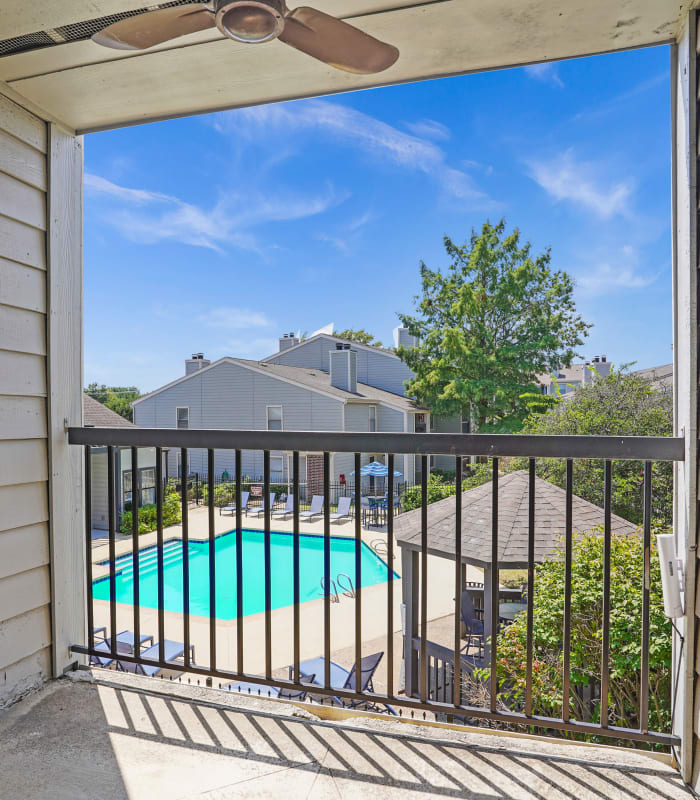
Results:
89 87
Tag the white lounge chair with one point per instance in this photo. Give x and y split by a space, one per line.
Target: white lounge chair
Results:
244 504
288 507
261 509
316 507
343 510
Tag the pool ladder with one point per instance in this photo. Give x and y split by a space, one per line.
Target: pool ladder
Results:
348 590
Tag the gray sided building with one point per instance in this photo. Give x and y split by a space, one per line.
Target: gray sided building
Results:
321 384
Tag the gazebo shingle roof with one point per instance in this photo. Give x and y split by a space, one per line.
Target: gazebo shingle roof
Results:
513 505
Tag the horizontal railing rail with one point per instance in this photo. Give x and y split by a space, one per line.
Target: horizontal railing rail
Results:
433 671
637 448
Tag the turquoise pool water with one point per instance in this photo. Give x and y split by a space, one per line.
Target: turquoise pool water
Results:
374 571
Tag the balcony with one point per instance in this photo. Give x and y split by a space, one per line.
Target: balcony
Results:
220 597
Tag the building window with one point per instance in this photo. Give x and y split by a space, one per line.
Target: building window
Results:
146 488
276 467
466 425
274 418
372 419
183 417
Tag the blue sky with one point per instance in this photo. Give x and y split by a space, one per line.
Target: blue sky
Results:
218 233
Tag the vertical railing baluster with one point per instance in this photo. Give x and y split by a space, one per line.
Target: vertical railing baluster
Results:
268 566
212 560
530 584
112 524
424 581
135 553
88 548
390 570
458 583
493 678
184 502
326 572
358 584
239 567
568 554
605 658
646 590
159 550
296 565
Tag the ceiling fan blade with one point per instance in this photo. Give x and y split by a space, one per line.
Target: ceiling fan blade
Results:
335 42
155 27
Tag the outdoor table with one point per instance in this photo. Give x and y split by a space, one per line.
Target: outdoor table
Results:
375 507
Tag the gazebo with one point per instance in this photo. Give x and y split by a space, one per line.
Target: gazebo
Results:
476 527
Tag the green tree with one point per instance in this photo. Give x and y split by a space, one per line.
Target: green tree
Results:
627 559
117 398
497 318
620 404
359 335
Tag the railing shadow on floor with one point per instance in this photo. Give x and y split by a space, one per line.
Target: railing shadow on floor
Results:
398 760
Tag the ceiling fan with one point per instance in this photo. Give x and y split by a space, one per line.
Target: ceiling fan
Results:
317 34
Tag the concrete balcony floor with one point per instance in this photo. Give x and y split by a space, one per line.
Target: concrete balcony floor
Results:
112 736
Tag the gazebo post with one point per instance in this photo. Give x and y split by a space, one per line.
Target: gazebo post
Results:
488 622
409 592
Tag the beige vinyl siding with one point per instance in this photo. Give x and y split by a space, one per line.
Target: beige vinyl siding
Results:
25 623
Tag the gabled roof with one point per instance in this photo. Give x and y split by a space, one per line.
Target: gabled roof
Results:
513 508
359 345
313 379
97 415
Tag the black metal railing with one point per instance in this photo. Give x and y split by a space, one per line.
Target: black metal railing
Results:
433 672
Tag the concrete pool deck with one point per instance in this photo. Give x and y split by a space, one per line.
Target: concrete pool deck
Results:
374 603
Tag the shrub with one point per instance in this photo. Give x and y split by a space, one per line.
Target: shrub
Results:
172 515
586 636
438 489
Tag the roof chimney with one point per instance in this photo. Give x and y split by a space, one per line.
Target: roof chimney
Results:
287 341
402 338
596 359
196 363
603 359
343 369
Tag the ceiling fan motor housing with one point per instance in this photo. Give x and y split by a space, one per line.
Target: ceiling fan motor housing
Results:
250 21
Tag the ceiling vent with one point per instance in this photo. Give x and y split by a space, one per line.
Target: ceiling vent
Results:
75 32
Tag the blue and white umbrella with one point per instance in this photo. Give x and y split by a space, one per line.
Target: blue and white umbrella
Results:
375 469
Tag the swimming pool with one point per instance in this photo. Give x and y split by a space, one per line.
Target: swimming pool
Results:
374 571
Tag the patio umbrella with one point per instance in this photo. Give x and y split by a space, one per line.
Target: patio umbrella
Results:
375 469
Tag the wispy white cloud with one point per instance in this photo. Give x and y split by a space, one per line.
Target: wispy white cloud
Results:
256 347
615 103
356 129
605 278
546 73
149 217
429 129
232 318
566 178
346 234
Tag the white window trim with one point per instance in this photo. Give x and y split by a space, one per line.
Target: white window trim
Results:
267 415
181 408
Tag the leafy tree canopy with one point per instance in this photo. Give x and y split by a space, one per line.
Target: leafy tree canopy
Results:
491 323
118 398
620 404
361 336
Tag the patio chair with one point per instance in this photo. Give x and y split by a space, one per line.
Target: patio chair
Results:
283 693
232 508
261 509
172 650
125 645
316 507
474 627
345 679
288 507
343 510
